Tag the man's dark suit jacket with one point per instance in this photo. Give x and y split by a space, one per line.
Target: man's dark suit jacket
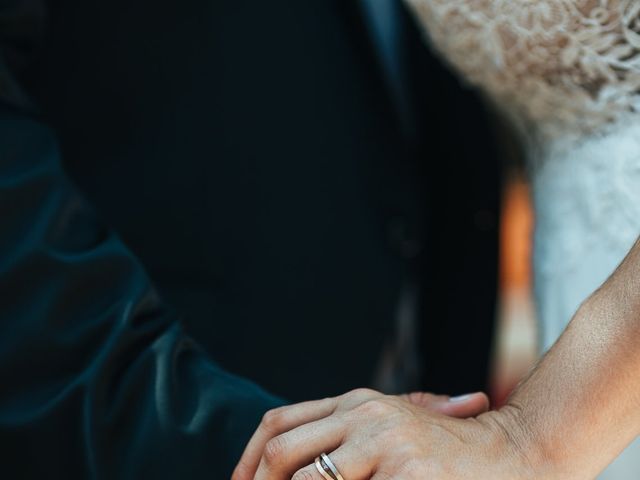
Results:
250 157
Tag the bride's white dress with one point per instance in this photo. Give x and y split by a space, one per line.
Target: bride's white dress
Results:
567 73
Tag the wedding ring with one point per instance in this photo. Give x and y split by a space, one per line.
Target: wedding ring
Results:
326 468
326 474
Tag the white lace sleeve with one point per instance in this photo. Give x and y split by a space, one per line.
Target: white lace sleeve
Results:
568 64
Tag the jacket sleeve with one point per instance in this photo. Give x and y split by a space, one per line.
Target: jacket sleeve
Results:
97 378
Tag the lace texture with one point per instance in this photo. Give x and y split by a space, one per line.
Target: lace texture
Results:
586 201
560 66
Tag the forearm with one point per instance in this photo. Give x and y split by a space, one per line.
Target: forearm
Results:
579 408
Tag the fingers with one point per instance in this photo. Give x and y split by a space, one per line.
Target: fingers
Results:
276 422
464 406
291 437
425 400
354 462
288 452
284 419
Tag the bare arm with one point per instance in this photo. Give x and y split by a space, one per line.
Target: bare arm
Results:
579 407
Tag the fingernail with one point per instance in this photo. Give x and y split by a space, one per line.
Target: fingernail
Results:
460 398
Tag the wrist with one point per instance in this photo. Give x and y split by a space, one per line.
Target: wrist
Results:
519 445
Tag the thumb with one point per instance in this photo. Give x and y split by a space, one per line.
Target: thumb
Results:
463 406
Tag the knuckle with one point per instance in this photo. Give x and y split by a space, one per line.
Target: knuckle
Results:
273 419
275 450
241 472
423 398
355 397
303 475
362 393
376 407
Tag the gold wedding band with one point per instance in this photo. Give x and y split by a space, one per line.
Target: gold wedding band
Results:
326 468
